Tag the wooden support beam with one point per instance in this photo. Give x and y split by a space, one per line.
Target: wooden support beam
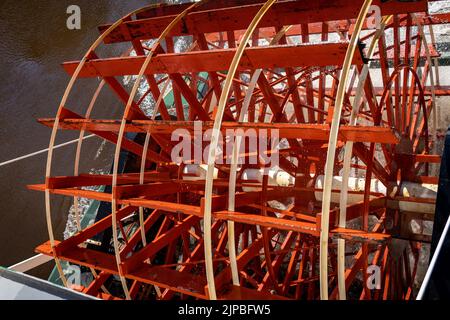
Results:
151 189
321 54
97 283
317 27
92 230
284 130
127 144
131 263
268 222
122 94
299 226
189 96
161 277
85 180
239 17
220 202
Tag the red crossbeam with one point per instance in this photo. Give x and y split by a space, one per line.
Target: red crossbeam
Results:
239 17
321 54
283 130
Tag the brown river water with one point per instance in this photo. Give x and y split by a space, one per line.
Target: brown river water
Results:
34 40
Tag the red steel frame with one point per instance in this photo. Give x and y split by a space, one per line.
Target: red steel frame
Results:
277 250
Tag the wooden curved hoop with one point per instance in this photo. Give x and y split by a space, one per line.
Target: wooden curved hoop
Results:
421 95
432 82
214 144
331 152
347 159
234 163
134 90
69 87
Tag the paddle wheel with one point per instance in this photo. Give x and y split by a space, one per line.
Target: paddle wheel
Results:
341 94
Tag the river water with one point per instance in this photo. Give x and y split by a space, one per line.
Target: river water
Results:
34 41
